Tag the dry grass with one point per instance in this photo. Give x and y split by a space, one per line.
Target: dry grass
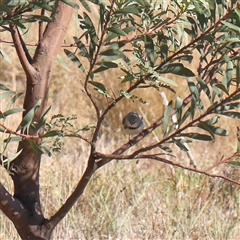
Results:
126 199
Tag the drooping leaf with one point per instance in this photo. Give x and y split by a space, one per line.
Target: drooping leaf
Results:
6 94
42 121
13 100
235 163
238 71
62 62
168 81
12 111
74 59
213 130
232 114
179 143
35 147
4 88
5 56
85 5
178 69
231 26
8 160
127 10
165 149
53 133
71 4
27 119
105 66
197 136
12 139
166 118
149 48
117 31
227 107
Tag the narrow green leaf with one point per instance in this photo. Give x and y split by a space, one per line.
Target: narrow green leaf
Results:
232 114
197 136
149 47
117 31
213 120
127 10
213 130
4 88
222 87
27 119
180 145
13 139
62 62
237 12
34 146
6 94
8 160
74 59
105 66
204 87
71 4
178 69
12 111
165 149
129 29
193 89
227 107
166 118
231 26
238 72
42 121
53 133
101 89
1 115
235 163
112 52
34 18
85 5
5 56
168 81
13 100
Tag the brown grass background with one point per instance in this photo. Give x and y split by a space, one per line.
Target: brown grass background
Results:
127 199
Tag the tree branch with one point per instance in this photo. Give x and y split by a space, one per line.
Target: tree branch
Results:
12 207
60 214
22 52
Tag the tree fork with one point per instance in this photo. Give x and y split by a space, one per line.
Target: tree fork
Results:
25 209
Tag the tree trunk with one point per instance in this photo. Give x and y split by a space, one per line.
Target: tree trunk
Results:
24 208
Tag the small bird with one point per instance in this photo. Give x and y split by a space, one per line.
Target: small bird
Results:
133 123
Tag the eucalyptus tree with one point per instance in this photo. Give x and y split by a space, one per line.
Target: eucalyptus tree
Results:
144 40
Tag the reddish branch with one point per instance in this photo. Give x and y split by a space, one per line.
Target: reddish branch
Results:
26 136
160 159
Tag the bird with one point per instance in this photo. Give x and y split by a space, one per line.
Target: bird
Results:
133 123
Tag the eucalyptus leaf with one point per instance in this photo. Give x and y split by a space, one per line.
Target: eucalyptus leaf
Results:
12 111
27 119
232 114
4 88
164 148
5 56
178 69
180 144
166 118
53 133
127 10
13 100
85 5
71 4
35 147
197 136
